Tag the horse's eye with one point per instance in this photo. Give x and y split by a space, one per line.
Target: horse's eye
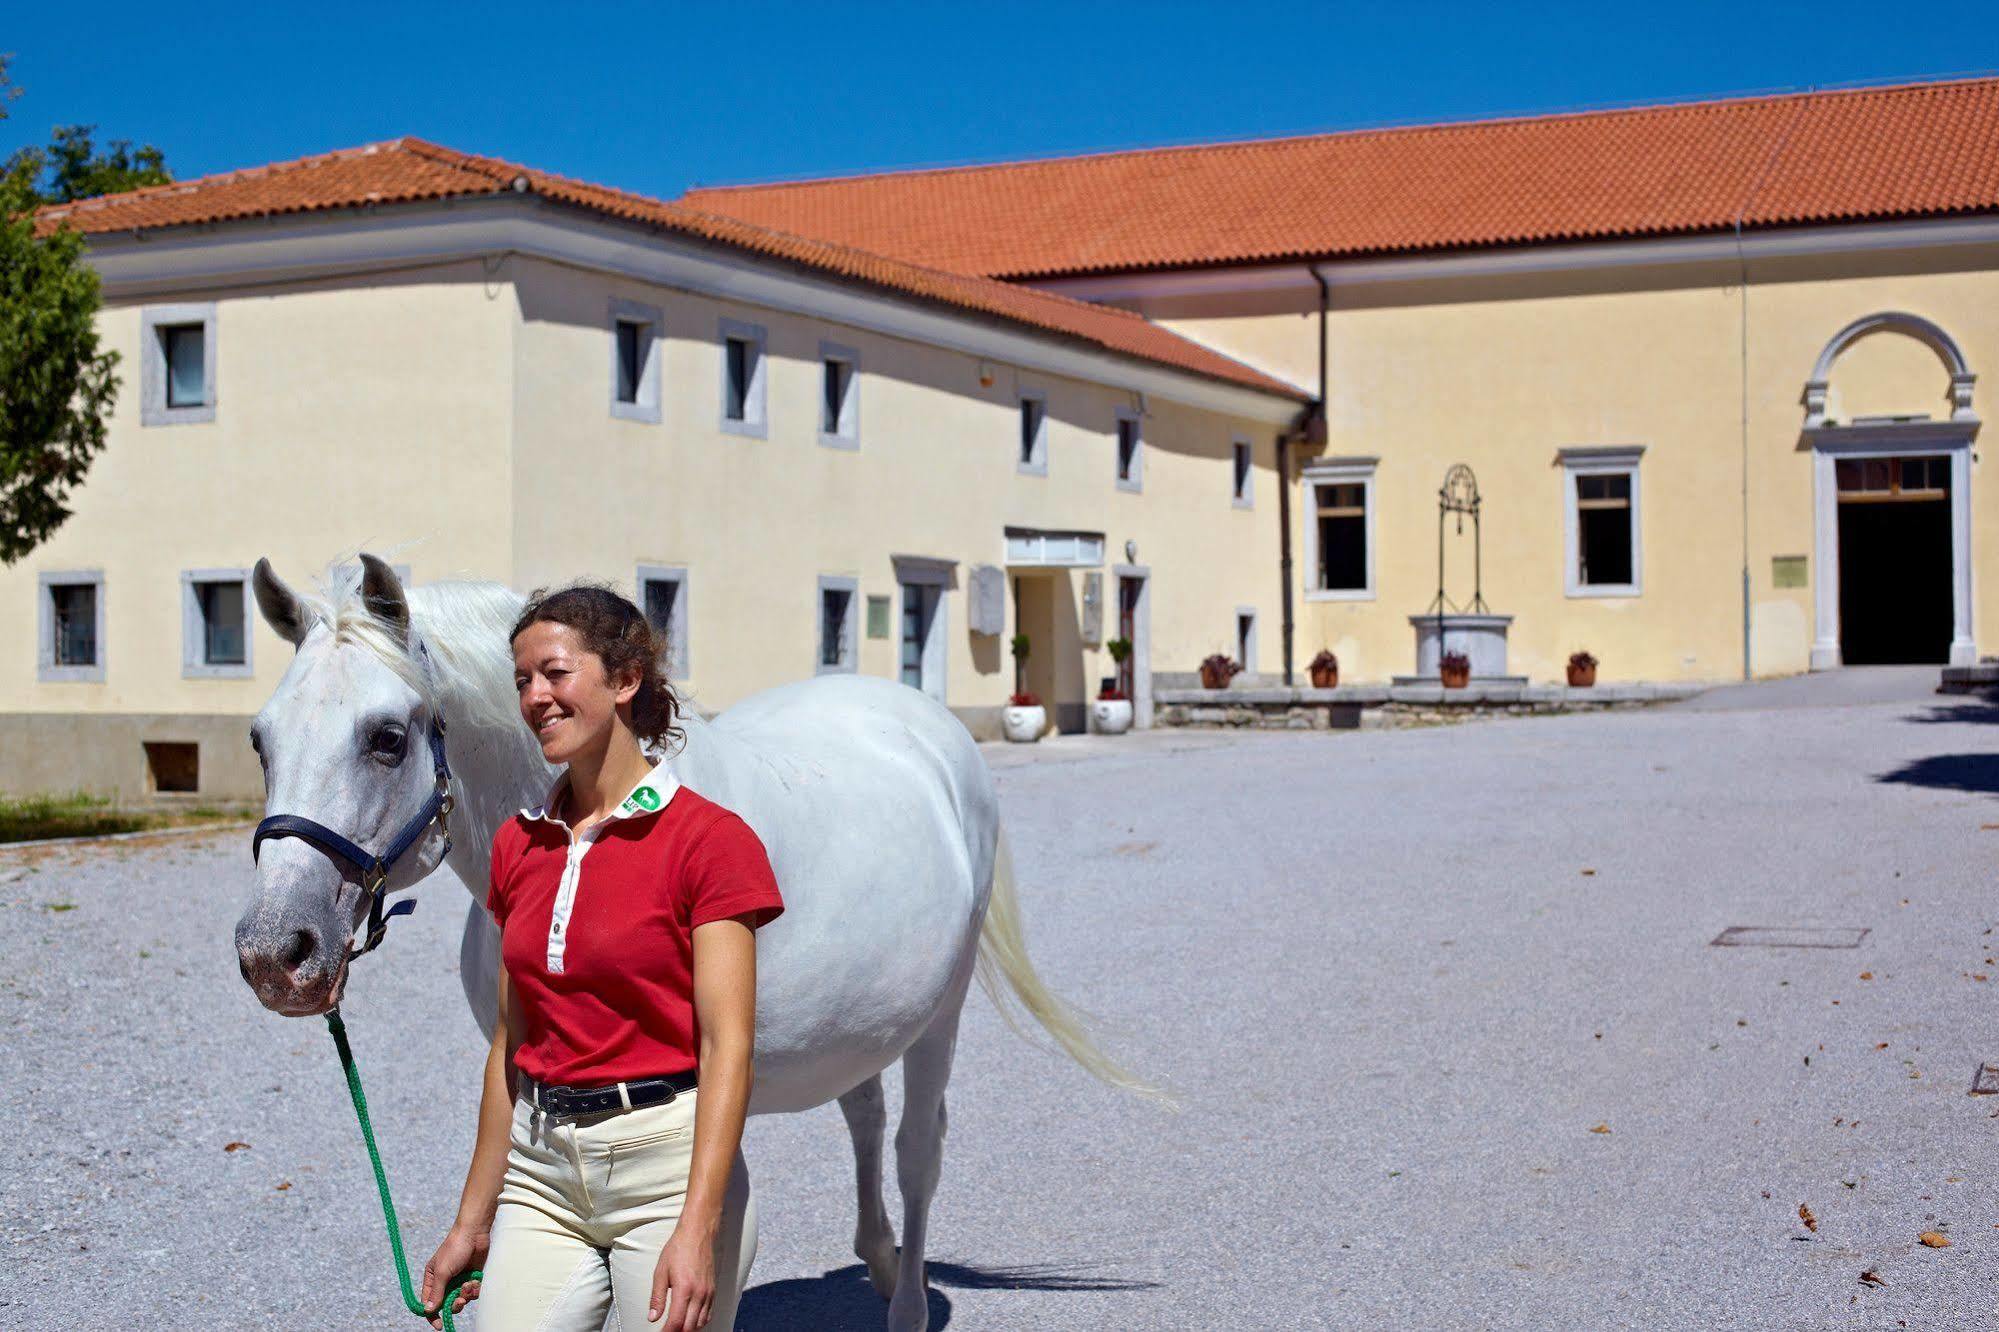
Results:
387 743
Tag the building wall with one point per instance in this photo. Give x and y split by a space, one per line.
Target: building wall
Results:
757 521
348 413
457 420
1503 373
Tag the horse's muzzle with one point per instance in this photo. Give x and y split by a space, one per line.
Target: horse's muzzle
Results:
294 969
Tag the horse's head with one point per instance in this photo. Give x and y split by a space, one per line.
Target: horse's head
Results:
345 743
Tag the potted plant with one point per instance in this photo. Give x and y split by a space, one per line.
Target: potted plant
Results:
1112 710
1325 669
1582 671
1023 719
1454 668
1217 670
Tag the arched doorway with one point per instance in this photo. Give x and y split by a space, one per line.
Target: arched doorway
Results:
1892 517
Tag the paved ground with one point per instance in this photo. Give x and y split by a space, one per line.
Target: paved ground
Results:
1398 977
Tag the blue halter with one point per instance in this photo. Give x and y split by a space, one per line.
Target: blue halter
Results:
374 870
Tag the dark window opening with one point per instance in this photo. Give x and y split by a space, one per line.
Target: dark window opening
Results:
834 603
222 623
173 767
74 608
741 363
837 382
186 358
1242 471
1603 530
1031 411
1127 449
1343 538
634 347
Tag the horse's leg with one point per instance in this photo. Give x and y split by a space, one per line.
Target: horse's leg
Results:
919 1155
874 1240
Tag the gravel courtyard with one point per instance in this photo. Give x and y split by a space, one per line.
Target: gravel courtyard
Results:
1453 1045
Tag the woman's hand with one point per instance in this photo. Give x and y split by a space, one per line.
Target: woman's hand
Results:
686 1268
462 1250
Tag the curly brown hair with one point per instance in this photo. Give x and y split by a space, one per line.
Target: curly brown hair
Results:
621 637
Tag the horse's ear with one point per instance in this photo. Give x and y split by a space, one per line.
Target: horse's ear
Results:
282 609
382 591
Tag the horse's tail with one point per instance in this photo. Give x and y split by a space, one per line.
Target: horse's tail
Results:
1009 980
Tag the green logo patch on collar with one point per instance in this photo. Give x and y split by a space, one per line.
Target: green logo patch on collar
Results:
644 798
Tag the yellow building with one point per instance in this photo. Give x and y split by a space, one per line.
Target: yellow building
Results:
1714 367
799 458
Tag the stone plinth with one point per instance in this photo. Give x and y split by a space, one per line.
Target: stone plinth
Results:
1480 637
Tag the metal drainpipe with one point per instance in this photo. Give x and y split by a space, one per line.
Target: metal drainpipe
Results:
1284 438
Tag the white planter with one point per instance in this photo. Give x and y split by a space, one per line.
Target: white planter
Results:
1112 715
1023 726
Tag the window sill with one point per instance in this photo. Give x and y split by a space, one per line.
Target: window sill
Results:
69 675
173 416
847 443
1132 487
231 672
1601 591
1242 503
747 429
1340 594
1031 469
643 413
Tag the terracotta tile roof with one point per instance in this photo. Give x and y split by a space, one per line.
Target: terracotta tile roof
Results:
1909 151
411 170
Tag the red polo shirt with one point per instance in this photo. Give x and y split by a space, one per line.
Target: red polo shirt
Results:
598 931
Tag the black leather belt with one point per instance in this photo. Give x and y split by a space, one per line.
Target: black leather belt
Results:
632 1095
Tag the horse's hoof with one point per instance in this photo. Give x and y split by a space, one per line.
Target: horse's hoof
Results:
881 1268
911 1314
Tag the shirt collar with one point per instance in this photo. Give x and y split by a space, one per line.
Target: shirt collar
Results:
653 793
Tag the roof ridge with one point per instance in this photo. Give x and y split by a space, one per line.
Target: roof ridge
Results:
1731 100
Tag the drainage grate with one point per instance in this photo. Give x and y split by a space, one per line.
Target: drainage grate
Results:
1788 936
1985 1082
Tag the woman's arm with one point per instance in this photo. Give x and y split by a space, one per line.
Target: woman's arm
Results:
465 1244
725 1009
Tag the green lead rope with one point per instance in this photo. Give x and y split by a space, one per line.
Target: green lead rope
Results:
353 1073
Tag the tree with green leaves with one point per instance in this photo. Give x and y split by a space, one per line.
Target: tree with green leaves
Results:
56 382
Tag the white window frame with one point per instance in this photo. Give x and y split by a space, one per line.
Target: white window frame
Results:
646 408
1135 483
1246 643
153 409
1245 496
1612 460
46 669
677 656
1036 463
755 422
192 639
849 661
1337 472
847 435
942 575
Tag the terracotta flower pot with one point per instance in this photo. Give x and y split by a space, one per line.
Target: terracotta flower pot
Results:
1328 678
1455 677
1214 679
1582 677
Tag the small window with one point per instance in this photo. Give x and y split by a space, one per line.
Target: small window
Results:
1601 521
1033 455
839 397
743 379
1245 638
1241 475
71 626
177 370
173 767
187 375
635 352
1342 532
837 613
1603 530
663 597
1130 453
215 623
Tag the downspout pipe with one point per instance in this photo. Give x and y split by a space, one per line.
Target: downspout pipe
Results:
1311 424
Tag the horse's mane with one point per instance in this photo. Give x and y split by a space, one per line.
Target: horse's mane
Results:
463 622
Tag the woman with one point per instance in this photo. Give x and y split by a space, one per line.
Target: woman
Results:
626 905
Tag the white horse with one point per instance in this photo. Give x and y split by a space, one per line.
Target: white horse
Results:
879 814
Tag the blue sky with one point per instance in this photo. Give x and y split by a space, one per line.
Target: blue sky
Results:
662 97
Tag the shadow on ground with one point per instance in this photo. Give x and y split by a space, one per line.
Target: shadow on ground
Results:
1983 711
1977 773
843 1301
